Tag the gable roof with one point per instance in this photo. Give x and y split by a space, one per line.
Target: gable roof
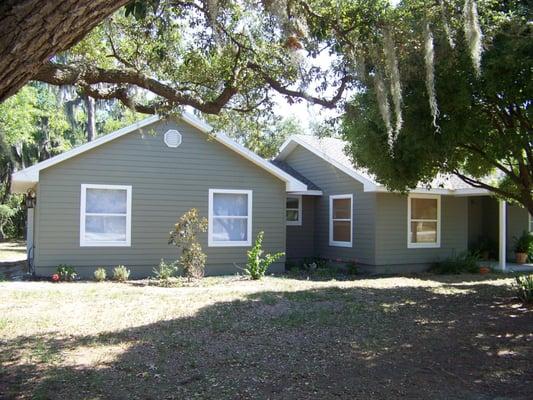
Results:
332 150
28 177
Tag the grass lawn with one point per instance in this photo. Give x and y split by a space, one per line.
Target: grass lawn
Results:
12 251
426 337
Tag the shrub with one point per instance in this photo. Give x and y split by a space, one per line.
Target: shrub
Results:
258 264
121 273
165 271
66 273
100 274
351 268
6 213
524 243
185 236
464 262
524 288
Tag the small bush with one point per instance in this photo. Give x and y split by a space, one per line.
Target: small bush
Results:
121 273
66 273
185 235
100 274
524 288
165 271
258 264
351 268
464 262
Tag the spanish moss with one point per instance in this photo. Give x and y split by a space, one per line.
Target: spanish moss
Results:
394 74
383 104
429 59
473 34
447 29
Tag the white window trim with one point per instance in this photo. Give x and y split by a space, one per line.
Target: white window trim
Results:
90 243
218 243
530 221
331 241
298 222
411 245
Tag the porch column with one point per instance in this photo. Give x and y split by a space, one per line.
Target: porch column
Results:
503 234
29 231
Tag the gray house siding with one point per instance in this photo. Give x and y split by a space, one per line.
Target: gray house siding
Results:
166 182
333 181
300 238
392 253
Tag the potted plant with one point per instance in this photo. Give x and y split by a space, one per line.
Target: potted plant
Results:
522 247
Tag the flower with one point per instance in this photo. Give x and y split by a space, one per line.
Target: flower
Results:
55 278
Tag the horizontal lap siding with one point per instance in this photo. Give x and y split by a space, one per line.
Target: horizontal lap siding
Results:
333 181
166 182
300 238
391 231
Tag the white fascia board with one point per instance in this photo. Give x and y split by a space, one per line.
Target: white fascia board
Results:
307 193
292 184
447 192
31 174
290 145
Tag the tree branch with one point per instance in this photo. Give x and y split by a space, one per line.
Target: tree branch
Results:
85 76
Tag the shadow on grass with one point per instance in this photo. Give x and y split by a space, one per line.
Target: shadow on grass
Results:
348 343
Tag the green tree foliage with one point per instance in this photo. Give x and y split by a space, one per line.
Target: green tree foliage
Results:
478 126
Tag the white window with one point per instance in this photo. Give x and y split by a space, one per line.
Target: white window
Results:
105 215
230 218
423 221
530 223
294 210
340 220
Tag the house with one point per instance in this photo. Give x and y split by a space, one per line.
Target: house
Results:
114 200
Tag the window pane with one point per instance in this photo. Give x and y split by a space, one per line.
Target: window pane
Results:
292 215
292 202
342 208
230 229
341 231
423 208
105 228
230 204
106 201
423 232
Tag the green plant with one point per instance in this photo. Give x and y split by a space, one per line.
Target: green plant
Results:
485 247
524 288
258 264
121 273
464 262
524 243
6 213
100 274
351 268
165 271
185 236
66 272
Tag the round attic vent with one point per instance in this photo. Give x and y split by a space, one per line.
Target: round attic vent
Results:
172 138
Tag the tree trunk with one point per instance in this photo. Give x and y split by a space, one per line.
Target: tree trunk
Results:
32 31
91 117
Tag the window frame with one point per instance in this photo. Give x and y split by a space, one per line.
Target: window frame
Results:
298 222
530 223
218 243
336 243
414 245
84 242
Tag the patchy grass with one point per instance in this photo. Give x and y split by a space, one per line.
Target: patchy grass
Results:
436 337
12 251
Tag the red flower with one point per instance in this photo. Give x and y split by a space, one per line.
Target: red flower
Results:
55 278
